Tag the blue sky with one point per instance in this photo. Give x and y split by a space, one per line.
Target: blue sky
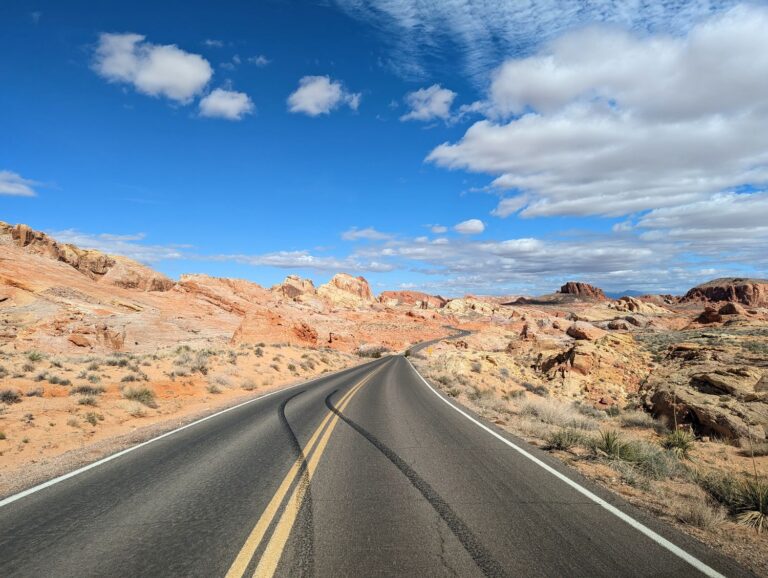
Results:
455 148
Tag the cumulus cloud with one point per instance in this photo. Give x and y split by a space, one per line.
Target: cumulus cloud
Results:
369 234
153 69
470 227
429 104
228 104
604 122
438 229
318 95
13 184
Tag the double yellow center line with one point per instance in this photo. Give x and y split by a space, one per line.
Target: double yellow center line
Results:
274 548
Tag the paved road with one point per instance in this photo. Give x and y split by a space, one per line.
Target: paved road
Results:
364 473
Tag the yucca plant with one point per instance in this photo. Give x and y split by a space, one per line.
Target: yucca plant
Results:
753 504
680 442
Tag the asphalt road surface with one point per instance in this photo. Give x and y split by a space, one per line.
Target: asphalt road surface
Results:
368 472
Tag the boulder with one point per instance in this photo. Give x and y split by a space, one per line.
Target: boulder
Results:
732 309
709 315
736 381
79 340
581 330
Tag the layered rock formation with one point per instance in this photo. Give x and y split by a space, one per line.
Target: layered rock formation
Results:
750 292
108 269
583 290
415 299
344 290
295 287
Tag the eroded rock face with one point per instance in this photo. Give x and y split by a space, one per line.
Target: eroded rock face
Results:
413 299
346 291
750 292
295 287
109 269
633 305
709 315
583 290
709 389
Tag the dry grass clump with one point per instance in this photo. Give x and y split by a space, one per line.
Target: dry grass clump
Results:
746 497
143 395
701 514
556 413
10 396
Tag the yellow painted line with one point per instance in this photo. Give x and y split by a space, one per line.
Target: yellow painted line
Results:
274 550
253 540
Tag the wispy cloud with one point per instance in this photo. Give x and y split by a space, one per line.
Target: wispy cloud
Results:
130 245
369 234
13 184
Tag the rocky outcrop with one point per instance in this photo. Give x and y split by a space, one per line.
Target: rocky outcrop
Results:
346 291
709 389
583 291
471 306
709 315
412 299
109 269
634 305
295 287
750 292
581 330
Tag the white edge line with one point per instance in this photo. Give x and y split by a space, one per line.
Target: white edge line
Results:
677 551
109 458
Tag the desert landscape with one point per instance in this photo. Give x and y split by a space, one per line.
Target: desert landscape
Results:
663 399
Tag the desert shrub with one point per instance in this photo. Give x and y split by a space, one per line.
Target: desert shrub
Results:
589 410
258 352
612 445
476 367
93 418
539 390
680 442
34 356
200 363
93 366
453 391
56 363
291 367
746 497
93 378
87 400
36 392
142 395
443 380
248 385
563 439
372 351
2 435
9 396
129 378
41 376
27 367
504 373
701 514
613 411
275 366
136 410
637 419
232 357
73 422
86 390
3 371
556 413
213 388
117 361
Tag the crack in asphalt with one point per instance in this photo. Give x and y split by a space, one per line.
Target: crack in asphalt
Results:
482 558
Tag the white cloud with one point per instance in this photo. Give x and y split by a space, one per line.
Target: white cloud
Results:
438 229
305 260
318 95
259 60
614 123
15 185
429 103
483 32
369 234
470 227
156 70
228 104
213 43
130 246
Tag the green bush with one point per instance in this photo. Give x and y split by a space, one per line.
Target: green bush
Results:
87 390
10 396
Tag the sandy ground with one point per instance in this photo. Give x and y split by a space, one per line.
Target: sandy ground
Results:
64 412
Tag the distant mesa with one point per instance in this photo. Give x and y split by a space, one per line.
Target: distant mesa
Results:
749 292
583 290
